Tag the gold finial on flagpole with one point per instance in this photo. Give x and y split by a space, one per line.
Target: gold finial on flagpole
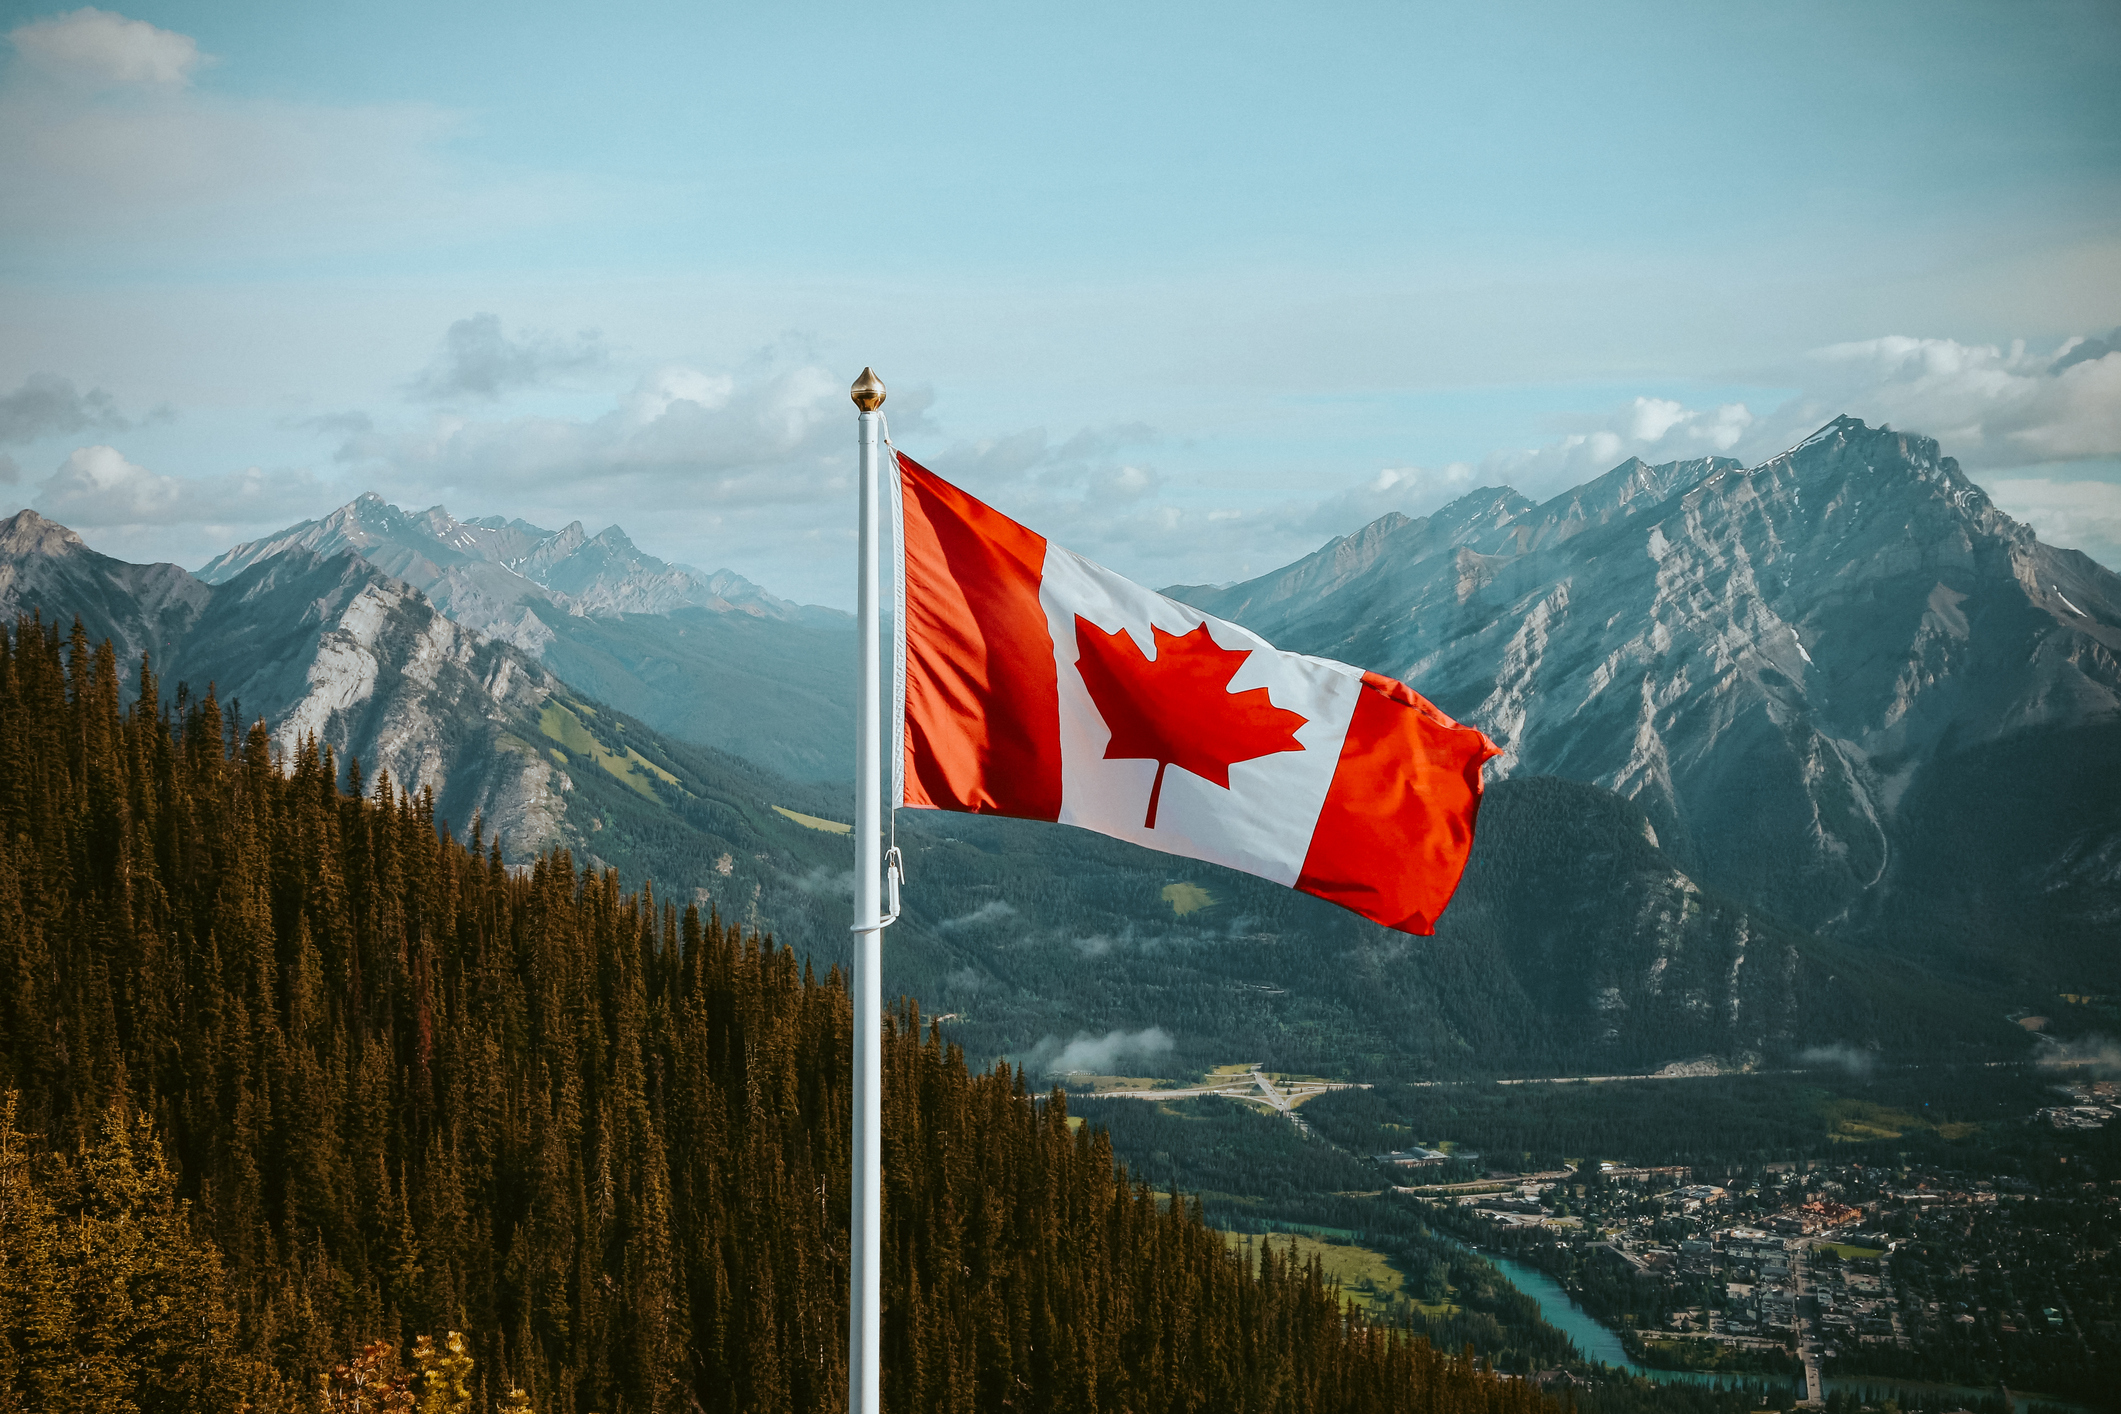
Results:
867 392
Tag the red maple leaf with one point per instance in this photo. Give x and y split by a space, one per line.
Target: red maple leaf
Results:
1179 710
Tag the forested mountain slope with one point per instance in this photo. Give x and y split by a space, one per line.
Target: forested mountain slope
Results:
402 1087
1574 944
330 647
336 648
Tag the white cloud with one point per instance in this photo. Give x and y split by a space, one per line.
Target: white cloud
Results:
479 360
2078 515
1989 406
653 397
46 405
992 911
100 47
1097 1055
681 436
98 486
1656 416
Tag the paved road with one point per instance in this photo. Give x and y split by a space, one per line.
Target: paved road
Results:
1807 1332
1236 1089
1676 1072
1487 1185
1280 1101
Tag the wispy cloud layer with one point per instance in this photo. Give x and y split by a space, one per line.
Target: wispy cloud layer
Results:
47 405
98 47
2097 1054
478 360
110 153
1840 1056
98 486
758 458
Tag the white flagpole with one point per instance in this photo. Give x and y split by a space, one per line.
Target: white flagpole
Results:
865 1304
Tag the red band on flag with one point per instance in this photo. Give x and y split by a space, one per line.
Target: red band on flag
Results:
1398 823
982 705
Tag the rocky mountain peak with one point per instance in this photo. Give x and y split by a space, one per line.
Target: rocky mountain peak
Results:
1635 478
368 514
508 578
565 541
1762 658
27 533
1848 445
1868 476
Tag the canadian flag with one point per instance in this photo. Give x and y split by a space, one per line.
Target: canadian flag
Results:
1036 684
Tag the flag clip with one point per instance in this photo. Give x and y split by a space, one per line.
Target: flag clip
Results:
894 875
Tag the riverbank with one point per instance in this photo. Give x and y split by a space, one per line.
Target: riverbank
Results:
1600 1344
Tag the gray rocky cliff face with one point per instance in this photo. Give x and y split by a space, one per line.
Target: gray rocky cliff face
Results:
709 659
366 663
1766 660
317 645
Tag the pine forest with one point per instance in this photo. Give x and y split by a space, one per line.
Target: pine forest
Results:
298 1087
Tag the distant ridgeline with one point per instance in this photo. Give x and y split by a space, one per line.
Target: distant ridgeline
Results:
291 1072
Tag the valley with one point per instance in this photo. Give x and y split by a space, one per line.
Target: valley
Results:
1717 1232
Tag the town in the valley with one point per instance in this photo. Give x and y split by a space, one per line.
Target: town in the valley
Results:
1897 1271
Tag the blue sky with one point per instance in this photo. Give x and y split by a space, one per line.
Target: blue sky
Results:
1190 288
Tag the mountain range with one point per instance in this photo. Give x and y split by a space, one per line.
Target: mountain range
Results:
709 657
333 648
1841 685
1815 751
